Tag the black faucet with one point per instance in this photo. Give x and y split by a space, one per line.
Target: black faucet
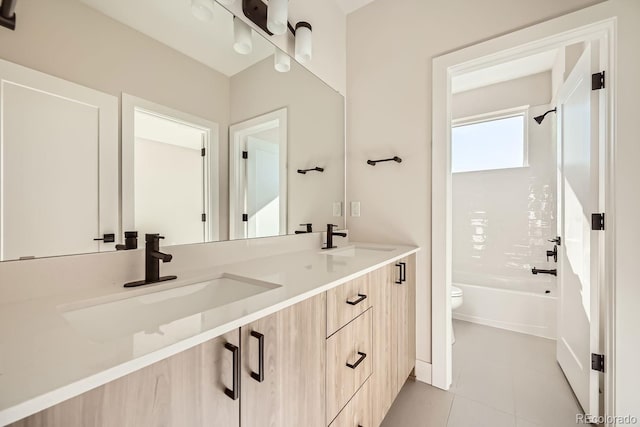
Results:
308 229
330 234
536 271
152 259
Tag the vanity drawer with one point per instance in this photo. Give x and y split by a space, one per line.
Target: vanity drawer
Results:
348 362
357 413
346 302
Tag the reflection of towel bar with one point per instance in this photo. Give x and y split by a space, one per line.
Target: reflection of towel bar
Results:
395 159
304 171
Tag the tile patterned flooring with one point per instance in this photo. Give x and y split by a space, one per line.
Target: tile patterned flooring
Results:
500 379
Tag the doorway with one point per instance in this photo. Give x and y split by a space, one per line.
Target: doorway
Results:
169 173
258 176
586 339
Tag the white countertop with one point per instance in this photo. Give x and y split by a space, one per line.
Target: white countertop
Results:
45 360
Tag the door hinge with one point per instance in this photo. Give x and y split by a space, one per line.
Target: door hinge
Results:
245 154
204 217
597 362
597 81
597 221
245 217
203 152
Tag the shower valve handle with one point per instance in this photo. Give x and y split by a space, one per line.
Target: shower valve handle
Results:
553 253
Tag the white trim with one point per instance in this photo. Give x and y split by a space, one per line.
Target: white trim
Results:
596 22
130 104
237 133
423 371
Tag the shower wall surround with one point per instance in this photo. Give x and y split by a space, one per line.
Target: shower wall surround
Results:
502 219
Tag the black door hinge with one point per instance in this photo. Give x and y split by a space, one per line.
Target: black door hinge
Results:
597 221
204 217
203 152
597 81
245 217
245 154
597 362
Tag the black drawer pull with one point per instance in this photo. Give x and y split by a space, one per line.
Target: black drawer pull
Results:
361 297
359 361
260 375
234 394
403 271
399 281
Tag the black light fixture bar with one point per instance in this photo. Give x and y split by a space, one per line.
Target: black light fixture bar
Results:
7 14
304 171
256 11
394 159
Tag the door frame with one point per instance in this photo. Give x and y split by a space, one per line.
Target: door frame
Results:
132 103
596 22
237 132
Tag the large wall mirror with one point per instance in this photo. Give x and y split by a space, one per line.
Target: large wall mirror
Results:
150 116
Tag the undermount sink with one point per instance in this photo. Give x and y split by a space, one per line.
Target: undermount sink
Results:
355 250
161 311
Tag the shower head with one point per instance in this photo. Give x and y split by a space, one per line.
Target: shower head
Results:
539 119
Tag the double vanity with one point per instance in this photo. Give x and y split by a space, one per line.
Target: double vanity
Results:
312 337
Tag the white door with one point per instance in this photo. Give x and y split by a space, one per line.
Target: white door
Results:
578 162
59 165
263 188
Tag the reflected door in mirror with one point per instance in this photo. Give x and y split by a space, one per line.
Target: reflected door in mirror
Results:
59 165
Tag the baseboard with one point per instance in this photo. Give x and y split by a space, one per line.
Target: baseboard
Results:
537 331
423 371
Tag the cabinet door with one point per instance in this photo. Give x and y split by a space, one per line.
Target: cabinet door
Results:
384 381
406 319
292 390
187 389
357 413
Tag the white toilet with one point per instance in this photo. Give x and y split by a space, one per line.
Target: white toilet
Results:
456 301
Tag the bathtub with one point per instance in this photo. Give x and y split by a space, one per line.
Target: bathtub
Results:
522 305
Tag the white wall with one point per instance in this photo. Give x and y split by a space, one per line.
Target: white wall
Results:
315 135
390 45
329 37
493 237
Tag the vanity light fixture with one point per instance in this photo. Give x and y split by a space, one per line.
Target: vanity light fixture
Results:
202 9
277 16
269 18
242 42
282 61
7 14
304 46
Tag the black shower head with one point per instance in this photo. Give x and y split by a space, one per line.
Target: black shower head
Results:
539 119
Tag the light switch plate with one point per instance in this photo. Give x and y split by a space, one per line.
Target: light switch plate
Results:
355 208
337 208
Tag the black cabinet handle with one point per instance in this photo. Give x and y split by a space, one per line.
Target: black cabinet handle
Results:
359 361
260 375
399 281
234 393
403 272
361 297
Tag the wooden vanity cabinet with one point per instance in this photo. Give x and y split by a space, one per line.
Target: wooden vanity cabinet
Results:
284 384
405 317
187 389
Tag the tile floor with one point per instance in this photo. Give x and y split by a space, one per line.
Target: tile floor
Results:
500 379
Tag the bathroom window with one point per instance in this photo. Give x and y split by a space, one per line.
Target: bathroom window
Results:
489 142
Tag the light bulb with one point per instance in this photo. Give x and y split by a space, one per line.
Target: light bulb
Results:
202 9
282 61
277 16
303 42
242 43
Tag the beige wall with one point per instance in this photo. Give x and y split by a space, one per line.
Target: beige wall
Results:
390 45
315 135
69 40
529 90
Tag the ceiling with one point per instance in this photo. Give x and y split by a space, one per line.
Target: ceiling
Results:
506 71
349 6
171 23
